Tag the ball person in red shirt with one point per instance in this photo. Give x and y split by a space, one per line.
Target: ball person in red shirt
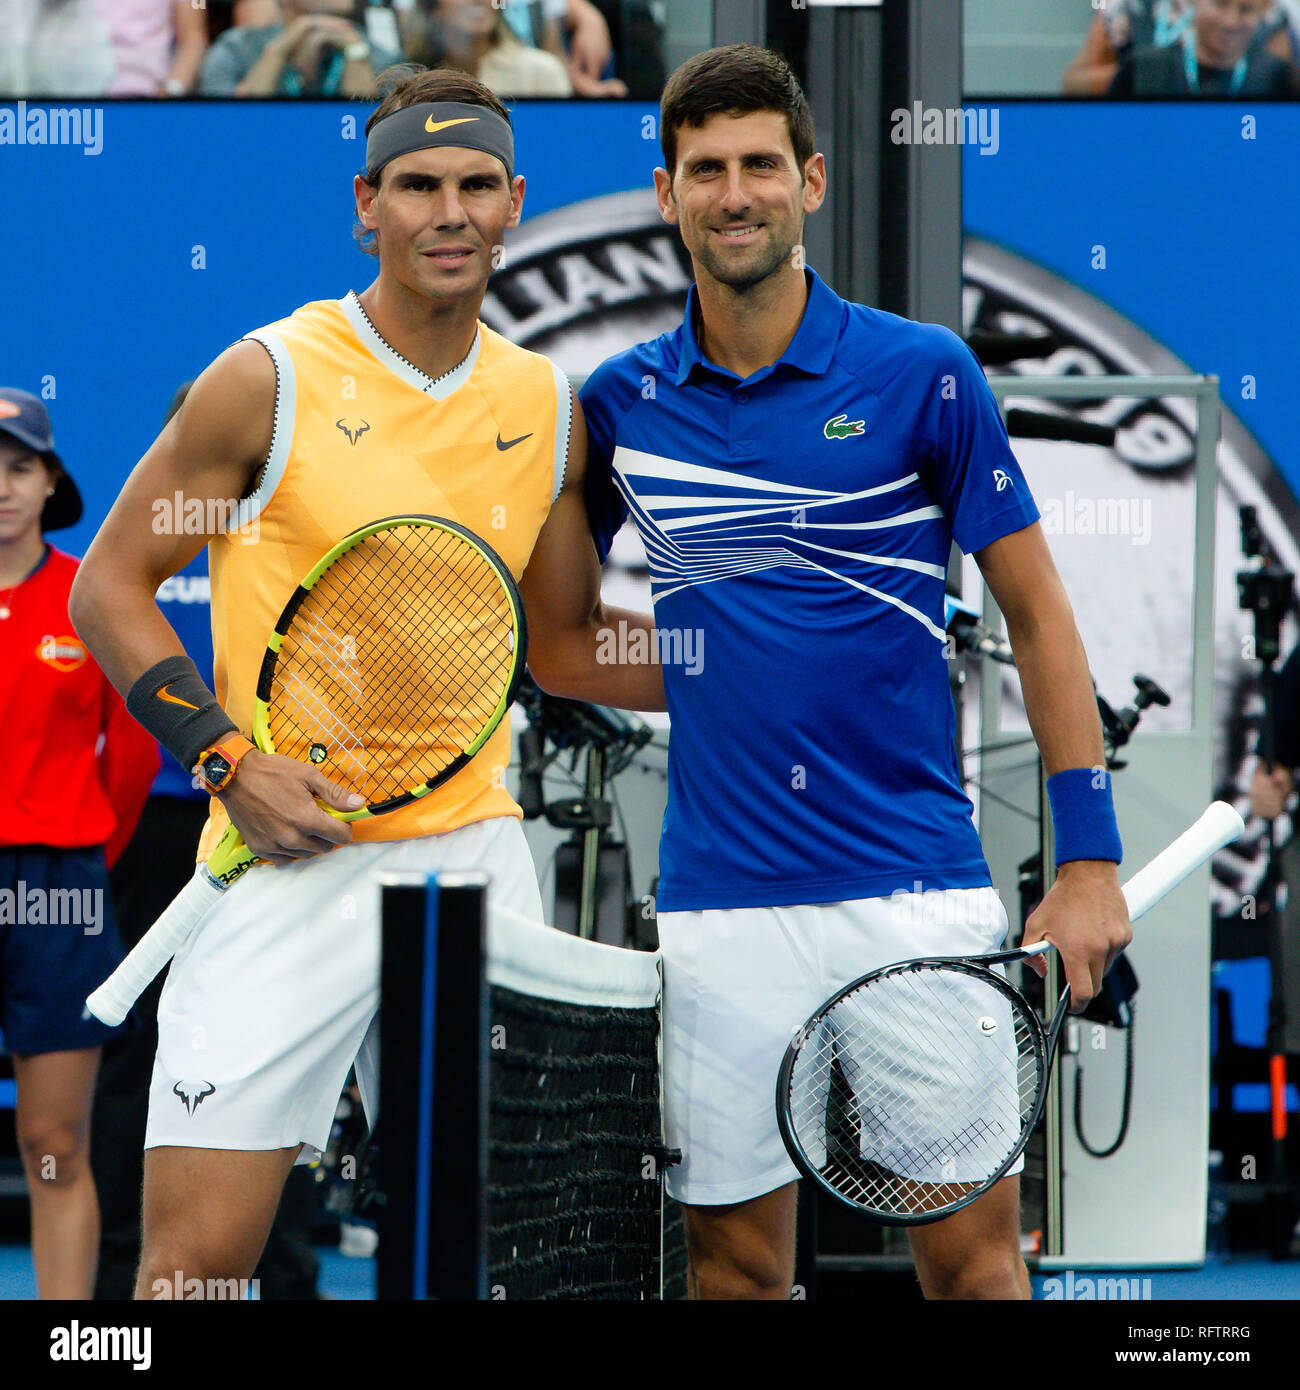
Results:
68 805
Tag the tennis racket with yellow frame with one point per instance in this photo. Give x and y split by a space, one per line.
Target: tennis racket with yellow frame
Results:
390 667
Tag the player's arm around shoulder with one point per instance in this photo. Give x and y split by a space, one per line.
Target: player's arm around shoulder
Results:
572 635
1084 913
197 468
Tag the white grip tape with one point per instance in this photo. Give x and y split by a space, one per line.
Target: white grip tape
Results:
112 1001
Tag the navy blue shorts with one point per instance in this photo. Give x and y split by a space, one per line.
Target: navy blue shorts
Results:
58 942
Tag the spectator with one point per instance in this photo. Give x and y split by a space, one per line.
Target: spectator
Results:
1127 26
157 45
637 38
312 49
574 31
74 775
54 48
252 13
473 36
1216 55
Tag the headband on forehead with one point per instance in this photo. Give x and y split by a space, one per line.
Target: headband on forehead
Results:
434 123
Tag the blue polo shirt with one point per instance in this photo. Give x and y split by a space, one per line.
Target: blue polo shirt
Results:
798 525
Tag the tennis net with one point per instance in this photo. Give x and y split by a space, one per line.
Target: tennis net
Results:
535 1164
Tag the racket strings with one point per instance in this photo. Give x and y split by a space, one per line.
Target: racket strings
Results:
912 1091
304 705
450 591
396 661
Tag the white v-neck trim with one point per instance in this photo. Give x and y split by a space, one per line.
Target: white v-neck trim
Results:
383 351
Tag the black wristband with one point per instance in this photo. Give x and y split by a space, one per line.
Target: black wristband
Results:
172 702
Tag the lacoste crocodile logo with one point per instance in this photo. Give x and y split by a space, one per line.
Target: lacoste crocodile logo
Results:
841 427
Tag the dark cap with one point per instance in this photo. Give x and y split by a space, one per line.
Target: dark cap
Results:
25 417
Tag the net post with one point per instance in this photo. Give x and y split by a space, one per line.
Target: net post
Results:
459 1154
402 915
433 1087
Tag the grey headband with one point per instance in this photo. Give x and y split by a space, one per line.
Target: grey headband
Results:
434 123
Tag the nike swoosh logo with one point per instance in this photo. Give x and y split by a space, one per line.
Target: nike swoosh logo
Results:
433 127
172 700
510 443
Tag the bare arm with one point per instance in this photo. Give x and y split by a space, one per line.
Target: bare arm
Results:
209 451
302 43
1093 67
1280 45
1053 666
191 42
589 51
570 629
263 78
1084 914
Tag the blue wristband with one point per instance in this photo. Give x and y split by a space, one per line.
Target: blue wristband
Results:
1083 815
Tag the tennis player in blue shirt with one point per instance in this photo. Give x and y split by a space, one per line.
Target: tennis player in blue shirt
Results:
798 467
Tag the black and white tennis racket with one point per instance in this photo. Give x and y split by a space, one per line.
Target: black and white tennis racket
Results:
391 665
913 1090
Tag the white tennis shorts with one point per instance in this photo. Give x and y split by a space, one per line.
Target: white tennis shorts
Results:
275 997
738 983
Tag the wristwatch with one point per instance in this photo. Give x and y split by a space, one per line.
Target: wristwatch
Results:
217 765
357 51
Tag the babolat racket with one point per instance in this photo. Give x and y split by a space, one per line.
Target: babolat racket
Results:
390 667
913 1090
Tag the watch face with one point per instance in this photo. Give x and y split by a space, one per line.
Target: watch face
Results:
215 769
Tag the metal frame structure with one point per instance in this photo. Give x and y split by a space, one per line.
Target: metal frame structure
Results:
1205 392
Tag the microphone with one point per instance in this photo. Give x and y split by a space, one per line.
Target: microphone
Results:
997 349
1036 424
532 745
962 623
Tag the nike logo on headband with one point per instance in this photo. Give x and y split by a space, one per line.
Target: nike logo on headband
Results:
433 126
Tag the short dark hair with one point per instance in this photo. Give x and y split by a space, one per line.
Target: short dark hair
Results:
408 84
734 80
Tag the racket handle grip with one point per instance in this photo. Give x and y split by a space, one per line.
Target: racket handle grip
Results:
1217 826
112 1001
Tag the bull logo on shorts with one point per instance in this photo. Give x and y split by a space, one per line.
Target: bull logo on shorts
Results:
192 1093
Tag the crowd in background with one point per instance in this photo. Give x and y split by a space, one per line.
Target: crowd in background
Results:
325 48
551 48
1179 48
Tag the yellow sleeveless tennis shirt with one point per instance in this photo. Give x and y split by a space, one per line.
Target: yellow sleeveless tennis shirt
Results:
360 433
